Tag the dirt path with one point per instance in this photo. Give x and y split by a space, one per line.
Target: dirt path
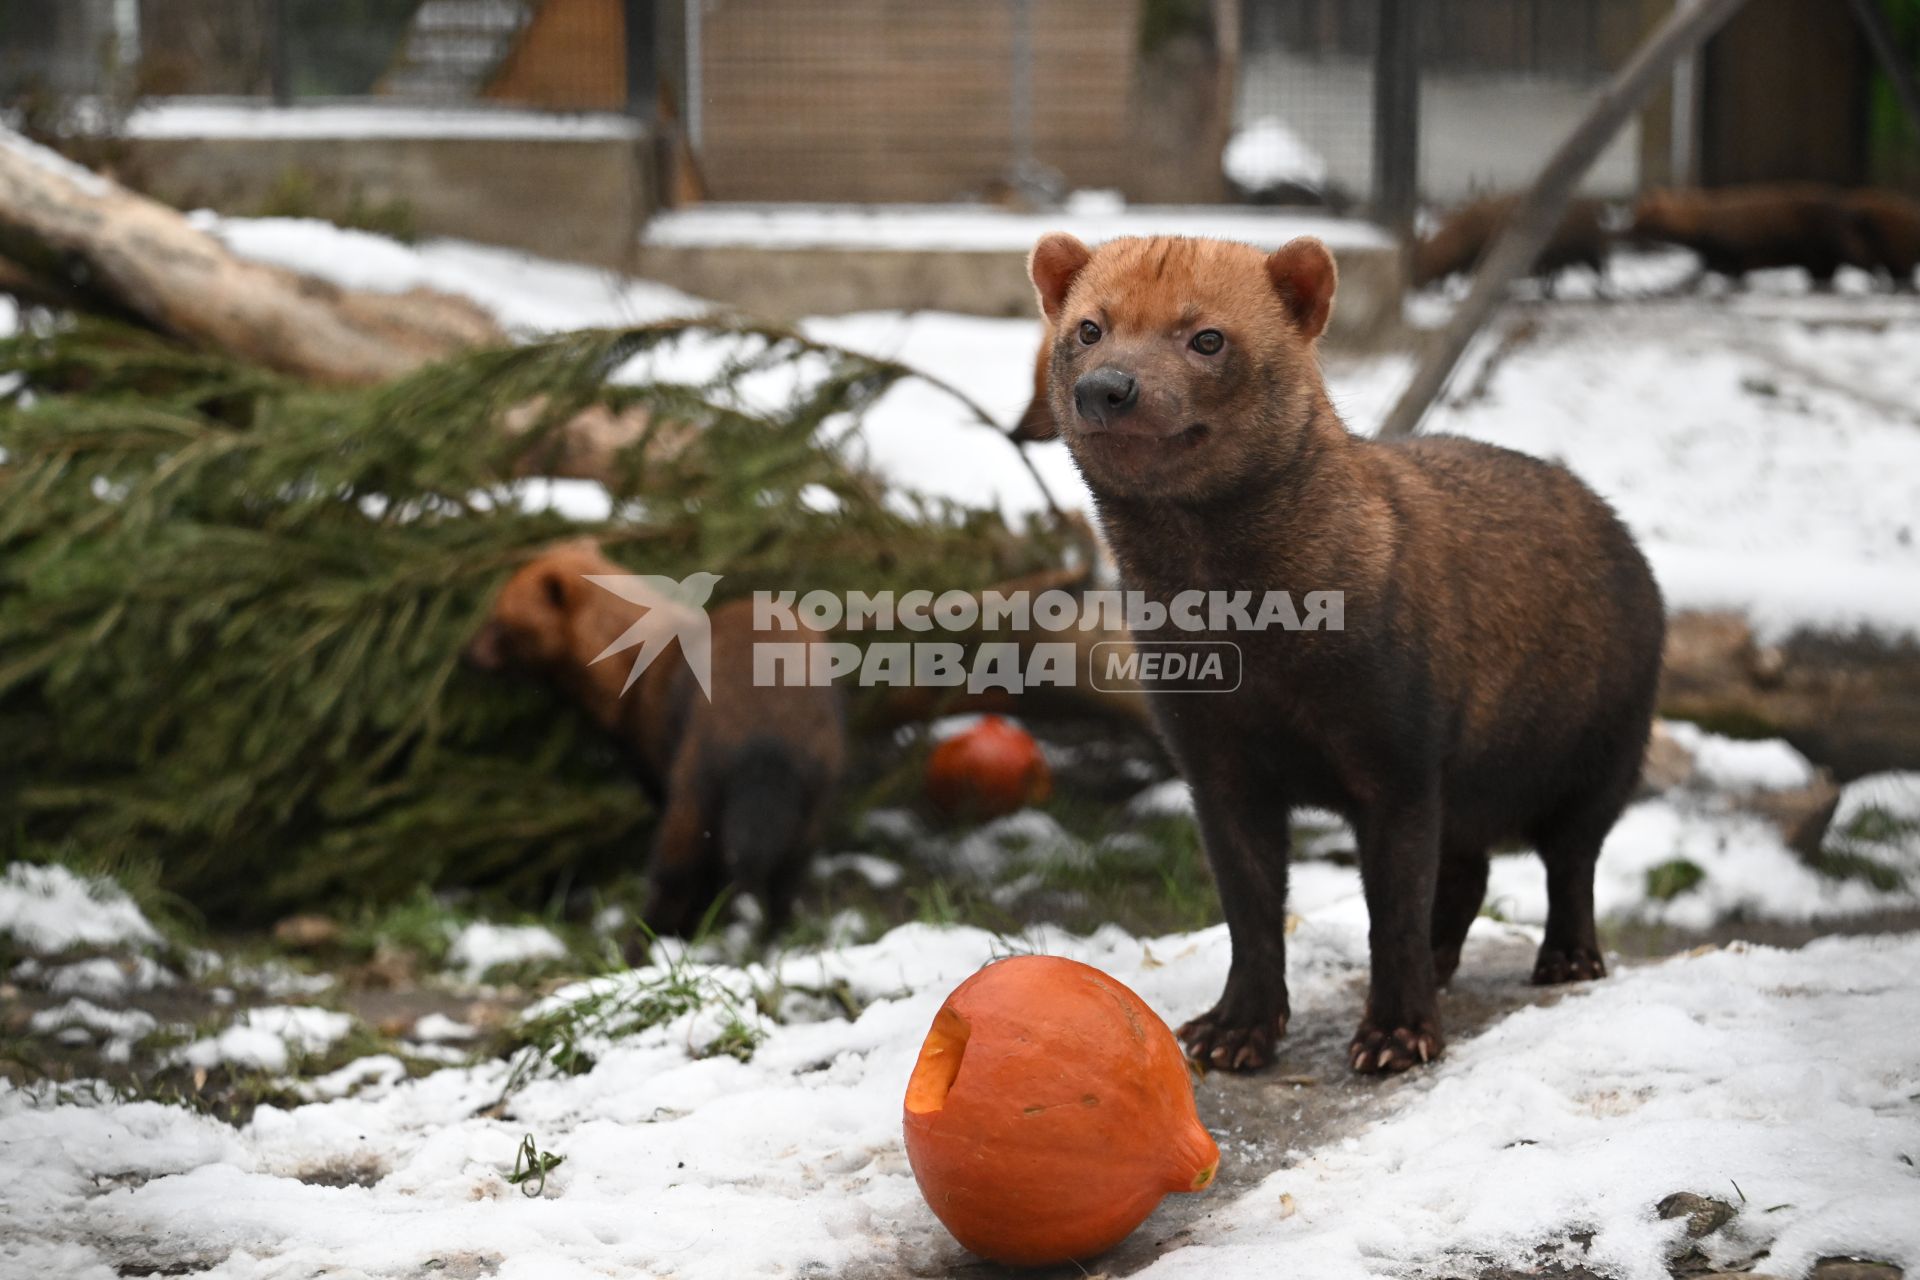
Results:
1306 1101
1309 1099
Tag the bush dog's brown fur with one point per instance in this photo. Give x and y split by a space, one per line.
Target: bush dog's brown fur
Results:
1580 240
1740 229
1496 671
1037 422
1890 225
743 781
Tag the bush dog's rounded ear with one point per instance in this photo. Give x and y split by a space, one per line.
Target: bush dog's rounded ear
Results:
1303 272
1056 260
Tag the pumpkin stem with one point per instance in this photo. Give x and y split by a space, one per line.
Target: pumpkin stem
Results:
939 1064
1196 1160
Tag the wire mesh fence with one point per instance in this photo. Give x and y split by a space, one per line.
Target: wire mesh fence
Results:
1015 101
558 54
1501 81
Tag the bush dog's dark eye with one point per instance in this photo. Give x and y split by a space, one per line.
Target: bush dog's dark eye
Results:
1208 342
1089 332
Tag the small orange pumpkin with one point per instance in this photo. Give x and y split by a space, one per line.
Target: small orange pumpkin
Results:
1050 1111
991 769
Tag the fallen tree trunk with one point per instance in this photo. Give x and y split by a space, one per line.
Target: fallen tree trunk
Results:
67 232
1850 704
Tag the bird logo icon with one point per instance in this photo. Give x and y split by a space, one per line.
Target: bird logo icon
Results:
672 611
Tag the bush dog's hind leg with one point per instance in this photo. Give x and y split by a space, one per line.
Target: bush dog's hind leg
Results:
1457 899
684 878
1570 951
1399 865
1244 824
1569 845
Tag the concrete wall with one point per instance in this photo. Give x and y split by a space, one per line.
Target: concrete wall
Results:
581 199
788 283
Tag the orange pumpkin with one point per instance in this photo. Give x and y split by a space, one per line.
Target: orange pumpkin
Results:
991 769
1050 1111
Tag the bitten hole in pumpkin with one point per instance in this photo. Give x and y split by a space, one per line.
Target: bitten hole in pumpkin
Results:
939 1064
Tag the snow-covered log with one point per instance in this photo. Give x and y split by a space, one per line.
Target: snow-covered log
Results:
67 231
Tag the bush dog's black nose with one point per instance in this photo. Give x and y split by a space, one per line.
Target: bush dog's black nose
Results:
1106 394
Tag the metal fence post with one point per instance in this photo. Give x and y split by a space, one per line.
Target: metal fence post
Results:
1396 114
279 53
1020 102
643 70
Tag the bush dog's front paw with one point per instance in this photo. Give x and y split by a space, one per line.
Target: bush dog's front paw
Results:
1378 1050
1574 964
1223 1041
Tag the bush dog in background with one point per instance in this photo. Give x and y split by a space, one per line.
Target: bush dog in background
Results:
743 781
1890 224
1495 676
1735 230
1456 246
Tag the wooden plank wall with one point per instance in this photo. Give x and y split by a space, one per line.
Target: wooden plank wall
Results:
882 100
1552 37
571 57
1785 96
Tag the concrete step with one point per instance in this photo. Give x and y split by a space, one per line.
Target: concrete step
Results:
788 261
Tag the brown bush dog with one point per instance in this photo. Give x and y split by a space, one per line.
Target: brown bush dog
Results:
743 781
1036 423
1495 675
1580 240
1890 225
1735 230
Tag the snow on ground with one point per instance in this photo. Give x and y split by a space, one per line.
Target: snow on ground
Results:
526 294
1745 872
1742 765
227 118
49 909
1763 447
1790 1074
1780 1081
480 948
1690 858
976 228
1267 153
1756 479
268 1039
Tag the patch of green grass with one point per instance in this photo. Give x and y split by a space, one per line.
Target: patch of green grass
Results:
1871 848
531 1166
737 1040
568 1037
1847 864
1876 825
1672 878
1156 875
422 924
